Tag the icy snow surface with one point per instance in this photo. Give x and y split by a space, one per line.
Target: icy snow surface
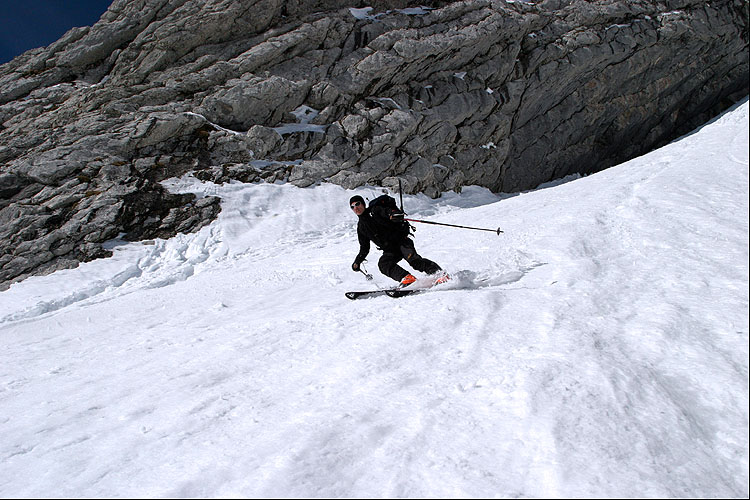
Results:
596 348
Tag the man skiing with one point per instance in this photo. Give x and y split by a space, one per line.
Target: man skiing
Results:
383 224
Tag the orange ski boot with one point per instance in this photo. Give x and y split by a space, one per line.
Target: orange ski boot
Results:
407 280
441 279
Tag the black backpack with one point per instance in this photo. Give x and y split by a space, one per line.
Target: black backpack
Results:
383 207
387 202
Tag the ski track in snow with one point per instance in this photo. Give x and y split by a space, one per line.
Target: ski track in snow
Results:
597 348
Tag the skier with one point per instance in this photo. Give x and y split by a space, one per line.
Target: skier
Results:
383 224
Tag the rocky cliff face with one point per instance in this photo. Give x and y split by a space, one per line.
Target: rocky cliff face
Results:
503 94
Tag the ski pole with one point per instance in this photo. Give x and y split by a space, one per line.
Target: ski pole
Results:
401 195
498 231
368 276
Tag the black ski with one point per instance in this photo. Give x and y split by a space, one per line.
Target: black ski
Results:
402 293
391 292
364 294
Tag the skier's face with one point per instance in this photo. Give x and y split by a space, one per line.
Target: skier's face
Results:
358 207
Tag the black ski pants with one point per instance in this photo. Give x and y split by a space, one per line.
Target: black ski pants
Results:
388 263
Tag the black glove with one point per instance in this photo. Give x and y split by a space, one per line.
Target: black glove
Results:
355 267
397 216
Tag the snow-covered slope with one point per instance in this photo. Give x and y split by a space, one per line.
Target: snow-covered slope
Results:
597 348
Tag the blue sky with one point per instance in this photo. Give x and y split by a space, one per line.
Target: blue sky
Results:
27 24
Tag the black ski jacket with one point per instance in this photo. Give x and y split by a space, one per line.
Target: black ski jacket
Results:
376 227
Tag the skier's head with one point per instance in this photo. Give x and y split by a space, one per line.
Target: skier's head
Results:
357 203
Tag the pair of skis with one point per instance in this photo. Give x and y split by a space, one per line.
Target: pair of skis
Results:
395 292
391 292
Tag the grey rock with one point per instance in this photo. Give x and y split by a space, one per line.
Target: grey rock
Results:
505 95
